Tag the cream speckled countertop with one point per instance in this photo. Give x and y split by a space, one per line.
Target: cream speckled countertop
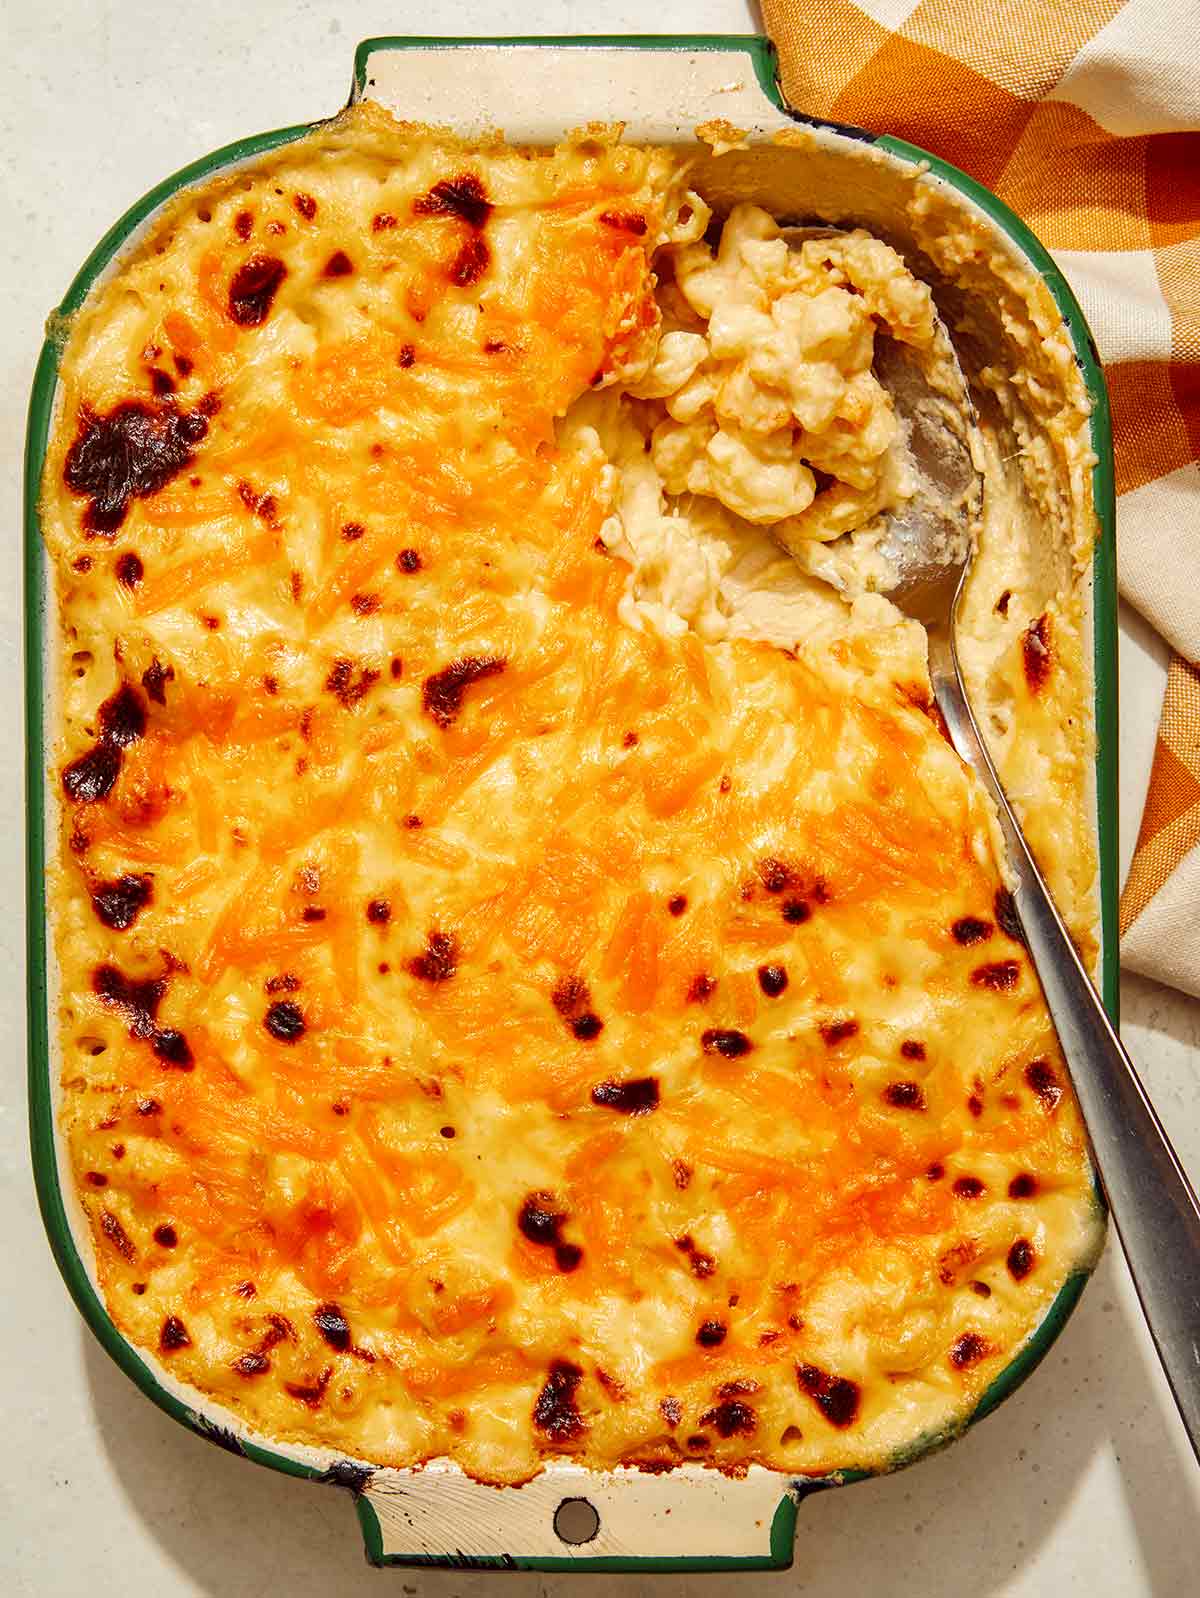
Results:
1082 1483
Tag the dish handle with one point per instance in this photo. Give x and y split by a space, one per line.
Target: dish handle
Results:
572 1518
531 89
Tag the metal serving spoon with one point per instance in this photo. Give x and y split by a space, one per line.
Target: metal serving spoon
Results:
930 544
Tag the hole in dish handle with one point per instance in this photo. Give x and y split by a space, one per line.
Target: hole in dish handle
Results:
568 1514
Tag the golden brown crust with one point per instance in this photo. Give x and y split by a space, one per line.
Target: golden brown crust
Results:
490 1030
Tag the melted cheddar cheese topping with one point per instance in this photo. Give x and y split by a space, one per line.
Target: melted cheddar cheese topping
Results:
502 1014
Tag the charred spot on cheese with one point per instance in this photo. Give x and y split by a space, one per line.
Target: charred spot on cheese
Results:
968 1350
243 224
727 1042
406 356
1021 1259
556 1411
701 988
956 1260
161 383
118 903
772 979
904 1096
284 1020
739 1387
835 1032
638 1096
935 1172
173 1335
463 196
130 452
681 1174
677 904
1007 919
998 976
775 875
837 1397
382 221
1023 1186
1041 1077
379 912
166 1236
625 222
911 1049
117 1235
252 1364
711 1333
333 1326
732 1418
702 1264
442 693
129 570
570 996
97 1179
1037 652
310 1394
278 1330
122 718
572 999
172 1048
671 1411
253 287
968 1187
796 911
339 264
439 960
137 1000
970 929
541 1223
260 504
408 561
285 982
471 262
92 776
346 685
1001 605
155 679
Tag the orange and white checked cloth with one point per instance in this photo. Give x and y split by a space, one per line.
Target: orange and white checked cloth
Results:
1084 115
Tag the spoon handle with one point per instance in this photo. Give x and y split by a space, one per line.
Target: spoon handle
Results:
1153 1205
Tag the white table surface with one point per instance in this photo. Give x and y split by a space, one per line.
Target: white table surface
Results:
1081 1484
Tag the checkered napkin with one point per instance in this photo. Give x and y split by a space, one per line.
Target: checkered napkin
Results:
1084 115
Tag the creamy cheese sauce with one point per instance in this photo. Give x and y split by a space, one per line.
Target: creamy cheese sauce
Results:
535 980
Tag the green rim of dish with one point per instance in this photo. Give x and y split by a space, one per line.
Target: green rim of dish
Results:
41 1108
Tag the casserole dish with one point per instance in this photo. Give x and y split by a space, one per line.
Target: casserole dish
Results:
685 1518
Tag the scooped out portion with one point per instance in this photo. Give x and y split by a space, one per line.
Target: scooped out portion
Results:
534 978
757 456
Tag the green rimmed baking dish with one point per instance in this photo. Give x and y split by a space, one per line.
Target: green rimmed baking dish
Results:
689 1519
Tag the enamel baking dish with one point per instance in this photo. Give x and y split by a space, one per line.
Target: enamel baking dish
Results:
535 89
